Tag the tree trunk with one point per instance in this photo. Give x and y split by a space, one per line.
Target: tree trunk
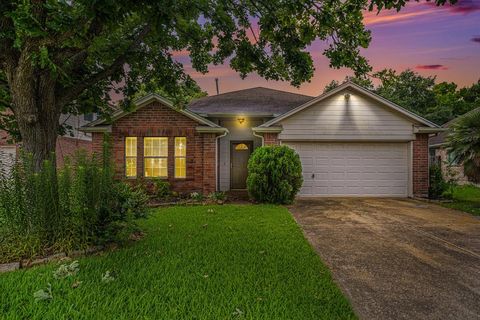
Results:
36 112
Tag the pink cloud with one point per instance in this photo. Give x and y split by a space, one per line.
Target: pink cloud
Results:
431 67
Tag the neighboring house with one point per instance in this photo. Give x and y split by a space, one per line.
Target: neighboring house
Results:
66 144
351 141
439 155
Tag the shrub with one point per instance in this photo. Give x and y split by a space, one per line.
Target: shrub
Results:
67 209
438 186
161 188
274 174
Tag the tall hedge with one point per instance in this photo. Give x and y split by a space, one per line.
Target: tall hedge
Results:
274 174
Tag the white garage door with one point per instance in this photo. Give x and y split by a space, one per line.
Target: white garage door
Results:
353 169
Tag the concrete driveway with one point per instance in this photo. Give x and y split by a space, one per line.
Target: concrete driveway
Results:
397 258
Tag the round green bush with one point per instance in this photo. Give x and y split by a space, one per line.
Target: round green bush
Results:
274 174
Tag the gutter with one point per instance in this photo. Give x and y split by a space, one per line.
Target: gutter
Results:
428 130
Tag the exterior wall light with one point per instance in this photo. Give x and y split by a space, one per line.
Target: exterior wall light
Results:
241 120
347 96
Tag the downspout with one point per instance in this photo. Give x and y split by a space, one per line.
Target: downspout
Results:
258 136
217 140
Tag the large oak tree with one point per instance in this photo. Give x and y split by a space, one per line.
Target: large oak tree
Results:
61 56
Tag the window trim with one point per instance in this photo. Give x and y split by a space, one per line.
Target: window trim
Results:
131 157
154 157
175 157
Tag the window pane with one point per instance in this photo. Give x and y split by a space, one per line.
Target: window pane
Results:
180 147
155 168
131 146
131 167
155 147
180 167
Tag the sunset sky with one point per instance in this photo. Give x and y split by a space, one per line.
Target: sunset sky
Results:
441 41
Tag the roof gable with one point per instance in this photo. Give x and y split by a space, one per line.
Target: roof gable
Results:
144 101
252 101
350 85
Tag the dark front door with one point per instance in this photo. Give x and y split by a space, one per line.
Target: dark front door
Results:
239 153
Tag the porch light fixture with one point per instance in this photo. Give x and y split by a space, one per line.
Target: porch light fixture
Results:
241 120
347 96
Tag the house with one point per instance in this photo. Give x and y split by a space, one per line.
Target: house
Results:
67 144
351 141
439 154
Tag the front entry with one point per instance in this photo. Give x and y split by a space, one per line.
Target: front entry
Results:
239 154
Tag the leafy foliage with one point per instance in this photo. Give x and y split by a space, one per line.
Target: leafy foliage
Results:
84 51
161 188
464 143
44 212
274 174
437 184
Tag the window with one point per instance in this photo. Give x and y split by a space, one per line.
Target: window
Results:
180 157
155 157
131 157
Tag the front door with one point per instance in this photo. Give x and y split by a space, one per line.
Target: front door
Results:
239 153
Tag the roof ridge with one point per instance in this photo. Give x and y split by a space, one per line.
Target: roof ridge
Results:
246 89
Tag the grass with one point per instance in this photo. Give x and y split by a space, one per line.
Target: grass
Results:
465 198
237 262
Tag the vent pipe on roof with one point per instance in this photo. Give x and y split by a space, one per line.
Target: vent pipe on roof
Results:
216 85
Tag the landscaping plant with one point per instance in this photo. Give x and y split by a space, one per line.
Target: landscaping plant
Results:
274 174
463 143
91 207
437 186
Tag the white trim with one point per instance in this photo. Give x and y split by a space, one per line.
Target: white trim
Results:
202 129
267 129
217 150
428 130
354 86
410 169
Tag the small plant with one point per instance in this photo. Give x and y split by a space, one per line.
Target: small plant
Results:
218 197
162 189
107 277
66 270
438 185
44 295
196 196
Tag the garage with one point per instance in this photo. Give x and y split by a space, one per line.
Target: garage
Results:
353 169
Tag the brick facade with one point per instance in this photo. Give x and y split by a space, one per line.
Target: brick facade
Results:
270 138
156 120
66 147
420 165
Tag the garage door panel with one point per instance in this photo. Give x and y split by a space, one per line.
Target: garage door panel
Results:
341 169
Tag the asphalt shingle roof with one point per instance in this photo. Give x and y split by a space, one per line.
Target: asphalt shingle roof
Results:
257 100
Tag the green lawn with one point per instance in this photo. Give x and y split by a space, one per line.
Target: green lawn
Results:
237 262
466 198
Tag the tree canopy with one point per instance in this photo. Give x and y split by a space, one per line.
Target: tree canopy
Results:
68 56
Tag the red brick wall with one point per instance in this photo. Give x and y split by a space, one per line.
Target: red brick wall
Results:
420 165
66 147
270 139
156 120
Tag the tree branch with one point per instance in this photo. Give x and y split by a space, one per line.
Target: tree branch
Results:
78 88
